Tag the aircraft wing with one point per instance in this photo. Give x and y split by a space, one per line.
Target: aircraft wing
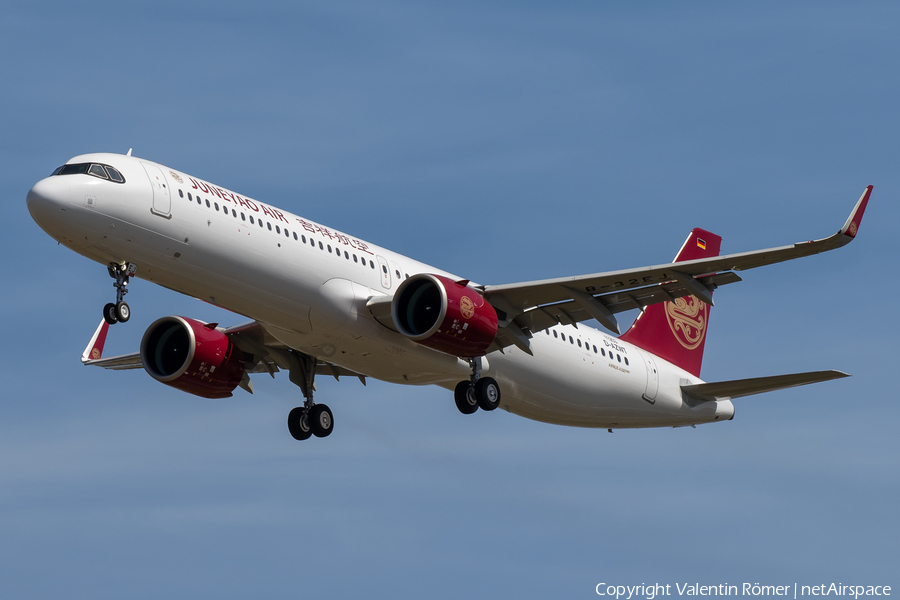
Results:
565 300
263 353
747 387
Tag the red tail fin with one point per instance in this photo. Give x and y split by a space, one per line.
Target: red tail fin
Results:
676 331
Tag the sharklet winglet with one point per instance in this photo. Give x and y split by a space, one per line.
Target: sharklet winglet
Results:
94 349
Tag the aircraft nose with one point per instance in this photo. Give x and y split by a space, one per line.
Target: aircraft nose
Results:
46 199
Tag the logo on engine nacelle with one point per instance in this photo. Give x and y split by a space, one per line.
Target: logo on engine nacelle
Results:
687 319
466 307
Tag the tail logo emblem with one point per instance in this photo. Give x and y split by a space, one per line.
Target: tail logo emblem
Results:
687 319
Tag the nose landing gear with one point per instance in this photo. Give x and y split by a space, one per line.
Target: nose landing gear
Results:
119 312
478 392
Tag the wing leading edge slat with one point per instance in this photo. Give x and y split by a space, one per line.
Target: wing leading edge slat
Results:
515 298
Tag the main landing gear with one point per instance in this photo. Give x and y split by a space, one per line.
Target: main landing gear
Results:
311 419
119 312
478 392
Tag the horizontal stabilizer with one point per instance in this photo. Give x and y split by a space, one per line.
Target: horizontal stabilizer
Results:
757 385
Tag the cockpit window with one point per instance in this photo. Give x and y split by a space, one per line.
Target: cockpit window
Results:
115 175
73 169
98 171
94 169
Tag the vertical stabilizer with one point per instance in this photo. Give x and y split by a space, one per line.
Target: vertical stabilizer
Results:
676 331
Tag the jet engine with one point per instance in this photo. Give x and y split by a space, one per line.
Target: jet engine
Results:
192 356
442 314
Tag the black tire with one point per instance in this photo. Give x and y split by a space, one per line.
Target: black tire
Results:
298 424
123 312
488 393
321 421
109 314
464 394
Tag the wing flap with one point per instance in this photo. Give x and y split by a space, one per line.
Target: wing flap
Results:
739 388
572 312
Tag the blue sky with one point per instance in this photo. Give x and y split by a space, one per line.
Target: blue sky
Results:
504 142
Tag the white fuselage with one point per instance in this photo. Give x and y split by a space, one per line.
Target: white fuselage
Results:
310 292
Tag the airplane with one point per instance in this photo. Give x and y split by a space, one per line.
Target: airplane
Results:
322 302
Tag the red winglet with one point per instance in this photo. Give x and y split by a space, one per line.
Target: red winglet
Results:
853 221
94 350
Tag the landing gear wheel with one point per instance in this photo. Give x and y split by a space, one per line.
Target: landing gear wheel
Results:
321 421
298 424
488 393
123 312
464 394
109 314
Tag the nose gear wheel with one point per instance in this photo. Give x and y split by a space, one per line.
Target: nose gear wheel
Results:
119 312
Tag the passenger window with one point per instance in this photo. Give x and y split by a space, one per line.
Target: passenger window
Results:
371 264
579 343
251 220
189 197
234 213
595 349
261 224
602 352
269 225
287 234
216 204
277 229
356 260
207 204
384 268
563 336
397 273
303 238
98 171
619 357
329 248
346 255
295 237
363 261
180 193
321 247
116 176
571 340
198 199
626 360
554 334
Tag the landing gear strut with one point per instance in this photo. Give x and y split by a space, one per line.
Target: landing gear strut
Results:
478 392
119 312
311 419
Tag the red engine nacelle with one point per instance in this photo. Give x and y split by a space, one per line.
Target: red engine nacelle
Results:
192 356
437 312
